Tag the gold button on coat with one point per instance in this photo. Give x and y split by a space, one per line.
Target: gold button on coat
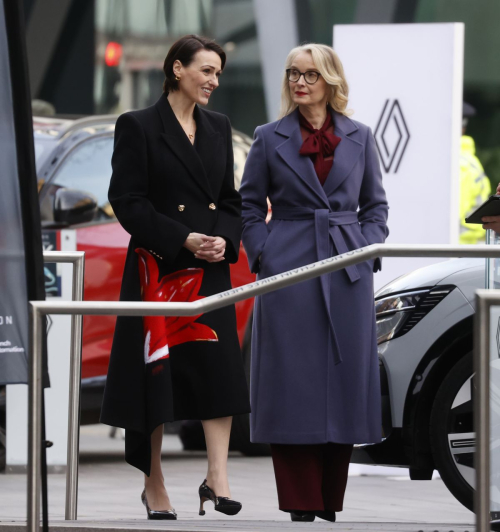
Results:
181 207
212 206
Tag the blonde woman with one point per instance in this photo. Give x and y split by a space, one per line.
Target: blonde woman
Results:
315 387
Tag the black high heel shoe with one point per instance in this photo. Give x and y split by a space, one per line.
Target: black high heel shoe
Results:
305 517
326 515
224 505
157 514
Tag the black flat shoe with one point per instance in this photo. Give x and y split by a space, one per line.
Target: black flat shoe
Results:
326 515
305 517
224 505
158 515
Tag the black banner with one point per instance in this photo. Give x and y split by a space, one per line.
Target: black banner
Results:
21 259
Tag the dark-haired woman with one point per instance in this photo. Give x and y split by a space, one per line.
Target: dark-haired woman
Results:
173 190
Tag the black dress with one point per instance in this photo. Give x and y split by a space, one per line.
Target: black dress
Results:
163 188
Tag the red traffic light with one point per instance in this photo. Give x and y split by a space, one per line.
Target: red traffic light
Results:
113 54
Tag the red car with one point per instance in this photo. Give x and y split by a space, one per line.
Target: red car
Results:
73 159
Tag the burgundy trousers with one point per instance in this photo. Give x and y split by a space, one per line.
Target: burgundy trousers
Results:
311 477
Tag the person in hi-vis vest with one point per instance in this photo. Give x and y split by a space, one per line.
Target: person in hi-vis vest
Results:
475 186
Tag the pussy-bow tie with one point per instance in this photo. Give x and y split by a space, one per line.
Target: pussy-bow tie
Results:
319 141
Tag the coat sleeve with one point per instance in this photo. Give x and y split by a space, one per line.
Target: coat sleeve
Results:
254 192
228 223
373 208
128 194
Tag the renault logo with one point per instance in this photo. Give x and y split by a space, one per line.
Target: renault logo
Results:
391 136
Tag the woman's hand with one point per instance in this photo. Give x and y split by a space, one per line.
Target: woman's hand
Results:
491 222
209 248
195 241
213 250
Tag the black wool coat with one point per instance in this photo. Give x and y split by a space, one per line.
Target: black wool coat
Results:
162 189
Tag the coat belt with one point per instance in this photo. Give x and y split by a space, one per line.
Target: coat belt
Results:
326 224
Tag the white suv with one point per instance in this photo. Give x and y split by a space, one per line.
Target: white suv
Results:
424 330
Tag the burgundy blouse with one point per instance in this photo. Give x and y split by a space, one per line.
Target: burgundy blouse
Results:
319 145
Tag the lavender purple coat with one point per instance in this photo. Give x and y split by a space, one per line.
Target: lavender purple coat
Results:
314 374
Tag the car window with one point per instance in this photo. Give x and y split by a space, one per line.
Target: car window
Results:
43 148
88 168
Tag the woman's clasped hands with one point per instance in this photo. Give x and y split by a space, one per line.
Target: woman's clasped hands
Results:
209 248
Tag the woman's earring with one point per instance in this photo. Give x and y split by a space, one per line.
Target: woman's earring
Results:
177 78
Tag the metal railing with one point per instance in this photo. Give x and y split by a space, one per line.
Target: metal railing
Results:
38 309
77 259
485 300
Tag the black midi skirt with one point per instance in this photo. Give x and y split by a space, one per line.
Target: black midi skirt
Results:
172 368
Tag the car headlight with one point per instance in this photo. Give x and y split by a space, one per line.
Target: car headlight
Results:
399 313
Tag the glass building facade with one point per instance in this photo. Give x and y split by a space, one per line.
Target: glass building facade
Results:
145 30
129 40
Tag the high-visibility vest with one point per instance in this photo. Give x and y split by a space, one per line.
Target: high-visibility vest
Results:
475 189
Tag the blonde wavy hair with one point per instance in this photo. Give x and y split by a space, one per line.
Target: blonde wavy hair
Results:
330 67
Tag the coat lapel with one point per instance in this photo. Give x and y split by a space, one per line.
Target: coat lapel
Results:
289 151
180 145
207 144
346 153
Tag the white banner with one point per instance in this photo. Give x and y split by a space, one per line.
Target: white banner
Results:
405 83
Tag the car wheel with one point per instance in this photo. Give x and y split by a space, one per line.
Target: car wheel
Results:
452 431
240 431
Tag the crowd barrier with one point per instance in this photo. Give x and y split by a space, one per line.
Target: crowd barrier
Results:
78 308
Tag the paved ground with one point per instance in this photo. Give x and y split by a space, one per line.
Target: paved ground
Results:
109 493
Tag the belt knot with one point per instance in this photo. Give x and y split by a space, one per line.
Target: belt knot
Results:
327 225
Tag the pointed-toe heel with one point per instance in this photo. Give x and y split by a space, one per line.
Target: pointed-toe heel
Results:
158 515
224 505
302 516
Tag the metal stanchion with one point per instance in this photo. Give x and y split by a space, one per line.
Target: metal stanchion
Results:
77 259
482 409
487 269
74 396
270 284
34 420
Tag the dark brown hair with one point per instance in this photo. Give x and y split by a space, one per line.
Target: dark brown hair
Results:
184 50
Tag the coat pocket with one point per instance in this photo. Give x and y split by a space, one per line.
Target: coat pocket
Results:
271 226
358 240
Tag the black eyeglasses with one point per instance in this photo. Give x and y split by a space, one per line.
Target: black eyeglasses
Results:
310 76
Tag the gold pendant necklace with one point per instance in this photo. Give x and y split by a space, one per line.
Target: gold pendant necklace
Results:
191 135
